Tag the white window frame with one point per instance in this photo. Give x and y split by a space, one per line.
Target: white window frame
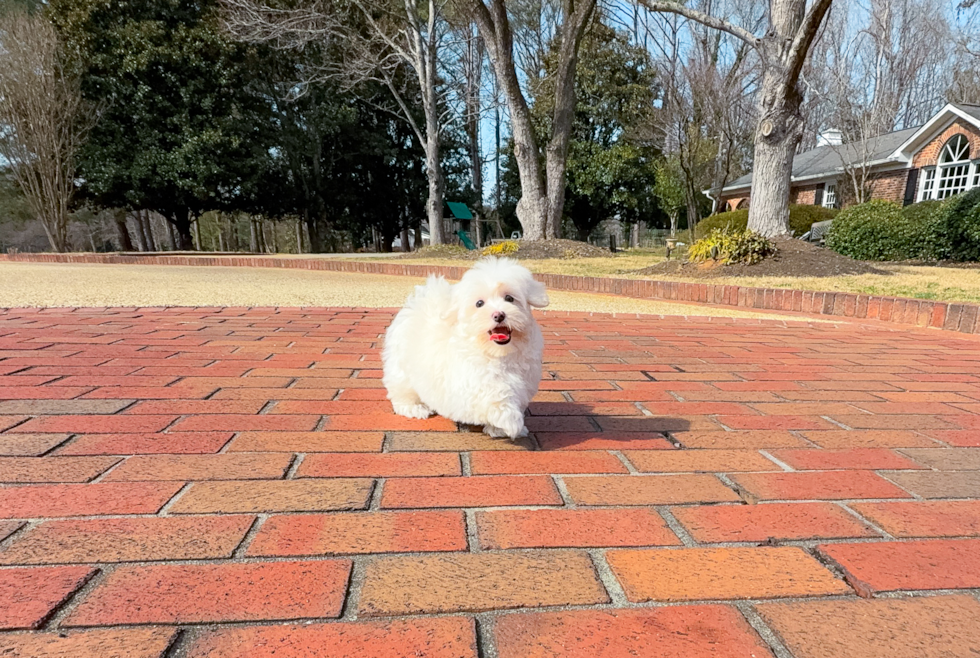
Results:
829 195
953 167
927 183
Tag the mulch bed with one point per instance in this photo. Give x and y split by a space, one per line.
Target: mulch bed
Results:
527 250
792 258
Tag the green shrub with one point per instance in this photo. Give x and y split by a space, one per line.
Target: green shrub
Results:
801 218
955 229
730 246
875 230
735 220
922 213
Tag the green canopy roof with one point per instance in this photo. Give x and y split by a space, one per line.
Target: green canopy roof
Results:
459 210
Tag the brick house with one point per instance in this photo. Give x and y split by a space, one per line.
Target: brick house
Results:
932 161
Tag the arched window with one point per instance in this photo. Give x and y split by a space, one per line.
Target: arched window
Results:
954 167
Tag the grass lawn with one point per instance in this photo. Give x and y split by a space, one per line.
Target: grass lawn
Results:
920 282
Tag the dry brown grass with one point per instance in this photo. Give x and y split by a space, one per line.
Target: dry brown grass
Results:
920 282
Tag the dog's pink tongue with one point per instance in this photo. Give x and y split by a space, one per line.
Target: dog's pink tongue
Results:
499 336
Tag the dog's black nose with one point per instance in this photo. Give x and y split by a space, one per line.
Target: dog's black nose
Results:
499 316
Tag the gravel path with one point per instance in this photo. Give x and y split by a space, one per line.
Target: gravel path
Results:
55 284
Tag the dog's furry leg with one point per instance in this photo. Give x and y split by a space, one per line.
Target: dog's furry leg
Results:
506 421
404 400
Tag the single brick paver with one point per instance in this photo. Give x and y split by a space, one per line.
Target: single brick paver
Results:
17 470
202 593
648 490
254 466
389 464
29 595
357 533
95 643
933 518
759 523
442 637
676 632
54 500
926 627
813 485
273 496
146 444
936 484
915 565
573 528
486 491
29 445
131 539
232 482
693 574
493 581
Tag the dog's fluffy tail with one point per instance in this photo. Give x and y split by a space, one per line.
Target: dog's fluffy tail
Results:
434 299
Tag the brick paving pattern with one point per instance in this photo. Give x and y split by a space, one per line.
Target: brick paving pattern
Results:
232 483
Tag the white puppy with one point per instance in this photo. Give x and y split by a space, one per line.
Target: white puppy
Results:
470 352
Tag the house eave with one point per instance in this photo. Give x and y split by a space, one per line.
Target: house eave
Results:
902 162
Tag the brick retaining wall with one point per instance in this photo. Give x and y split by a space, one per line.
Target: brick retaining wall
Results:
962 318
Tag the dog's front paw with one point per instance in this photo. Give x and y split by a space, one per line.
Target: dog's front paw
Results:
419 411
509 423
494 432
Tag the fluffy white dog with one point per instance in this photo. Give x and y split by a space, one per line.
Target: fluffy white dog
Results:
470 352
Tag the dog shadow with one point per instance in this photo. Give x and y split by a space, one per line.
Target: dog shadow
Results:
557 425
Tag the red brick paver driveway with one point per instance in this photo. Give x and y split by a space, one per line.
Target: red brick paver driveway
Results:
231 483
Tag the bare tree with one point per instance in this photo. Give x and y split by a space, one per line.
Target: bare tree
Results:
874 70
377 38
43 119
782 51
542 192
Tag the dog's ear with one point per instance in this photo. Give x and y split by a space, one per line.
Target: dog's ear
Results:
536 293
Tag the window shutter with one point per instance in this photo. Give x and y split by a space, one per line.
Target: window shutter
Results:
818 195
910 187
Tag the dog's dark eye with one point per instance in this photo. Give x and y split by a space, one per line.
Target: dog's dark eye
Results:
508 298
479 303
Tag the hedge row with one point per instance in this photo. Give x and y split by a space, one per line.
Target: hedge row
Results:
929 230
800 220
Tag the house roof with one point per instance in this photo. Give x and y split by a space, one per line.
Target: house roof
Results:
895 147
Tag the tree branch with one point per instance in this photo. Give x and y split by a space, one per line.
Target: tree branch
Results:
703 18
804 37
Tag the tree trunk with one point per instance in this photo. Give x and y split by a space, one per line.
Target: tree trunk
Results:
196 234
222 233
122 231
532 208
635 235
782 51
473 108
140 231
144 216
542 193
777 135
437 185
418 235
299 236
693 217
404 239
573 28
182 223
673 224
253 242
171 235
